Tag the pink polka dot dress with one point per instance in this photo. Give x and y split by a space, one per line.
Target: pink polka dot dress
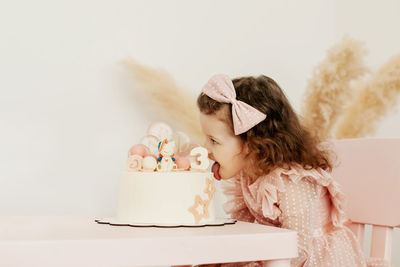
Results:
307 201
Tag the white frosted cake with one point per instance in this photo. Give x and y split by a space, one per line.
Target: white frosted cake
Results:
166 198
166 182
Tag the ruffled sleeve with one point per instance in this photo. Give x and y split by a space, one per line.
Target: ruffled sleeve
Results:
254 201
266 190
236 206
323 178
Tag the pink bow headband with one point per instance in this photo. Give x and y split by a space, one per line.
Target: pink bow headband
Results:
220 88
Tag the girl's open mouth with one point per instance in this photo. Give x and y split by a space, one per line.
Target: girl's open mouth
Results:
215 169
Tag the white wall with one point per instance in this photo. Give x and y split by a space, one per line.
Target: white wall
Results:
68 114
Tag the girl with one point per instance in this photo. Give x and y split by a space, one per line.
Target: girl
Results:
277 173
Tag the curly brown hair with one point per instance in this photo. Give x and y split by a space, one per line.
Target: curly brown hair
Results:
278 141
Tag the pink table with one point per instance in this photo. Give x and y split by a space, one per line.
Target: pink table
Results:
79 241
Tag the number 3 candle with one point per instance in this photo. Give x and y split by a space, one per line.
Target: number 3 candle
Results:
202 162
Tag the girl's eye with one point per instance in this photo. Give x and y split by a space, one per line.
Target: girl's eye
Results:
213 141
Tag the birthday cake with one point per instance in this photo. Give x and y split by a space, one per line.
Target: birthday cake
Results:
166 182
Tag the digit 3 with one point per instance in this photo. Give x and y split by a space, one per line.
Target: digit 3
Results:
202 162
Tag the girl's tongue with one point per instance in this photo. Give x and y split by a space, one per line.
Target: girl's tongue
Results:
215 169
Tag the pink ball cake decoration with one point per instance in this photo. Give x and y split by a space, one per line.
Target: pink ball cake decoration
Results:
183 163
139 149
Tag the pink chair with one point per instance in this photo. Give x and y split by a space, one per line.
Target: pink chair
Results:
369 173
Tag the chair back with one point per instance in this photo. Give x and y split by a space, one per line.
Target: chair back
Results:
368 171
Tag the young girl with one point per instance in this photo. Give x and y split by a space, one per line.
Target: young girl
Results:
277 173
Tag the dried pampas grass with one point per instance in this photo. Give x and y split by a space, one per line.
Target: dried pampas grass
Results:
166 98
336 102
329 89
376 97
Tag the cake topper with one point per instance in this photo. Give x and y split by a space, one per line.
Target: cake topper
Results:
166 160
151 142
201 162
174 152
134 163
182 141
160 130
